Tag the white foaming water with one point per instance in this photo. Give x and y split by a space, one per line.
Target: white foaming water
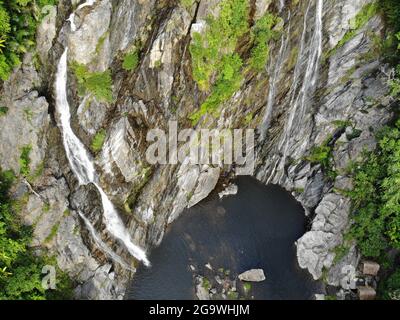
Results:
314 50
281 5
100 243
116 227
81 162
79 159
71 18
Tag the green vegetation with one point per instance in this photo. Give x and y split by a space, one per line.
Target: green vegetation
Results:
390 288
98 140
228 82
53 233
131 61
217 68
376 196
206 284
18 22
262 33
3 111
340 252
187 3
97 83
21 270
233 295
247 287
222 33
101 41
24 160
323 155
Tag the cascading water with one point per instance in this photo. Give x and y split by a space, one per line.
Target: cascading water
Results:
71 18
312 53
81 162
281 5
100 243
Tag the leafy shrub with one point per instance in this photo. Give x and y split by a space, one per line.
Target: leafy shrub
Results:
97 83
217 68
262 33
20 269
18 22
390 288
395 83
3 111
131 61
227 83
213 55
376 196
98 140
323 155
24 160
222 33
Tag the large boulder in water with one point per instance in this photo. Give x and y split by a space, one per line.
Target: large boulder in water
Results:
254 275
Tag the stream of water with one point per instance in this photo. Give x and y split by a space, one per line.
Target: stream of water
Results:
82 164
310 55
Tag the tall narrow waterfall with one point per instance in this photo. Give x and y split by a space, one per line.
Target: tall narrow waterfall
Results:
281 5
312 54
80 160
276 67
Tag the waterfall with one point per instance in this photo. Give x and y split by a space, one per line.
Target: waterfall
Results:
281 5
71 18
312 53
81 162
100 243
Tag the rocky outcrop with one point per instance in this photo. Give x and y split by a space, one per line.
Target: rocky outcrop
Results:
254 275
315 248
26 120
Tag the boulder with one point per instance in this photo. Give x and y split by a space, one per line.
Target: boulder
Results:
366 293
229 190
254 275
370 268
201 292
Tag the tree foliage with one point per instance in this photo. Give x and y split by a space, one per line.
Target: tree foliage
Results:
217 65
20 269
376 196
18 22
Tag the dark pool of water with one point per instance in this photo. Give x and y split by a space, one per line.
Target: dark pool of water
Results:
256 228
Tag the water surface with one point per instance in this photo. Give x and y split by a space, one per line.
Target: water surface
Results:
257 228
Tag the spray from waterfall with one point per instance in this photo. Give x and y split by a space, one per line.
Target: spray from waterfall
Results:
81 162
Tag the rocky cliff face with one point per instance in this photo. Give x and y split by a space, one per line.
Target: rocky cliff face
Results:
315 90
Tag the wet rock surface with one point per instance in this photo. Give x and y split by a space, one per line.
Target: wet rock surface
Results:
349 89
